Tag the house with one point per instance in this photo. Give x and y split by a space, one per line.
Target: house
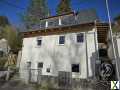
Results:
64 43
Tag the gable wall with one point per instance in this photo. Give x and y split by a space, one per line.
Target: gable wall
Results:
60 57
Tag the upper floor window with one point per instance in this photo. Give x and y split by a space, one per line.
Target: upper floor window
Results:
39 41
61 39
80 37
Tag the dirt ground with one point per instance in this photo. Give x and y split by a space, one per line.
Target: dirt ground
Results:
14 85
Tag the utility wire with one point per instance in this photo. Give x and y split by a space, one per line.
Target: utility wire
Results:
11 4
18 7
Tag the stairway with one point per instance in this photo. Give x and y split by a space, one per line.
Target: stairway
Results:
102 32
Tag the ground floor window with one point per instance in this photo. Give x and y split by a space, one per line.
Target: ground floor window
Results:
40 65
75 68
48 70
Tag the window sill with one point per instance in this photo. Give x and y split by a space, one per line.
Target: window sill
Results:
61 44
75 73
80 43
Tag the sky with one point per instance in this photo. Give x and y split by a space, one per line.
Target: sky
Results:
13 9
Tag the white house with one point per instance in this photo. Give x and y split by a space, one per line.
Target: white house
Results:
67 43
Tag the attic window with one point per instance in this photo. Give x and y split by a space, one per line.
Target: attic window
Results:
80 37
75 67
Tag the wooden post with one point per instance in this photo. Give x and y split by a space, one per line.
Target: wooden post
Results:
8 74
29 75
29 71
39 75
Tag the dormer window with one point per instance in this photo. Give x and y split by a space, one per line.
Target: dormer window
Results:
80 37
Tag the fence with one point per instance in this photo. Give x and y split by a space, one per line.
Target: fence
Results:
64 81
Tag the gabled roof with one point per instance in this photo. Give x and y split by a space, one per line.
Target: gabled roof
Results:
70 19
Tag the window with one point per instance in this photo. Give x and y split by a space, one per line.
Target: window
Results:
80 37
39 42
61 39
75 67
48 70
40 65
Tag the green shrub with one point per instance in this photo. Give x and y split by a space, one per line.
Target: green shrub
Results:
2 62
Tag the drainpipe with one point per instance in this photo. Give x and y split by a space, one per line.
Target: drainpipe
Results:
86 53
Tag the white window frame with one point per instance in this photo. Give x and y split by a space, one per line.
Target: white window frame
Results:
59 39
83 37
